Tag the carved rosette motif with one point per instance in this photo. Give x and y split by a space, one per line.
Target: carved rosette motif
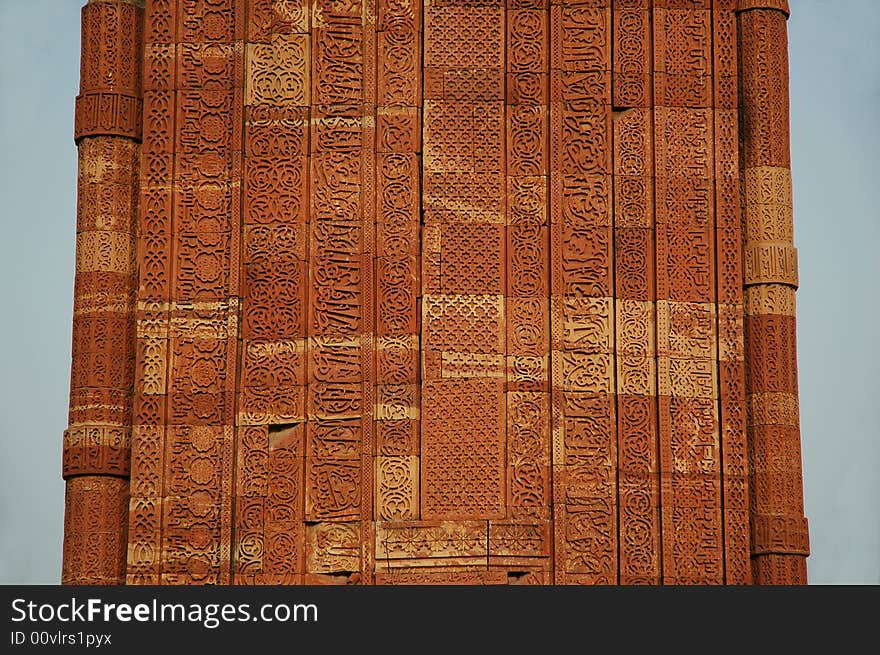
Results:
529 484
398 260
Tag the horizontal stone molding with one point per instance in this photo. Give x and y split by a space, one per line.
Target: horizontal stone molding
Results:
107 114
771 263
96 450
773 408
780 535
777 5
770 299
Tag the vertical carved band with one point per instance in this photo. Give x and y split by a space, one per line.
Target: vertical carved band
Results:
687 357
339 320
728 276
150 404
398 259
463 465
527 288
189 296
269 540
632 65
633 221
639 491
584 451
205 294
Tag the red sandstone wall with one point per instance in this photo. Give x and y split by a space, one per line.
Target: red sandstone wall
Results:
451 292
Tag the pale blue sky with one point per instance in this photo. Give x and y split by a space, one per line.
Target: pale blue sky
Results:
835 93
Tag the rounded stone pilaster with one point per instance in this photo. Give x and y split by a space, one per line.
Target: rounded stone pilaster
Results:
780 542
97 443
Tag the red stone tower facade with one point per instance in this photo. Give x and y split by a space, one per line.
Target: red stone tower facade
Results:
434 291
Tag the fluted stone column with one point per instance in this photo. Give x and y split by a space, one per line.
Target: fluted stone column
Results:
779 530
97 441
